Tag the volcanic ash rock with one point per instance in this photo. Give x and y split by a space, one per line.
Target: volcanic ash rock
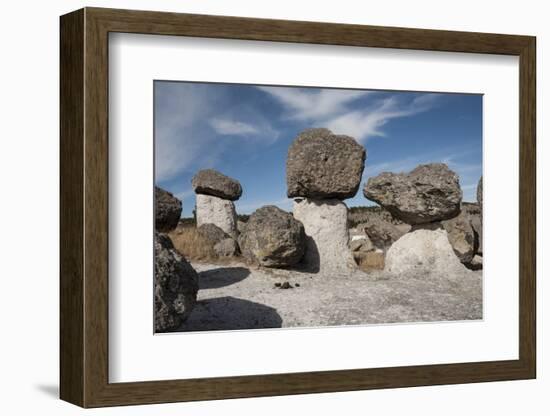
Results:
217 211
167 210
428 193
211 182
323 165
273 238
176 286
424 251
325 223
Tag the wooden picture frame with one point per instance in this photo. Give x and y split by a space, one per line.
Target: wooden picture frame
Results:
84 207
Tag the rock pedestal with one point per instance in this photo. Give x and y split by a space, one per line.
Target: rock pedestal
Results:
423 251
325 224
220 212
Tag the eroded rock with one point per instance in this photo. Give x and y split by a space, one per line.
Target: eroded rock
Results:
212 182
167 210
461 236
220 212
424 251
273 238
426 194
323 165
325 223
176 286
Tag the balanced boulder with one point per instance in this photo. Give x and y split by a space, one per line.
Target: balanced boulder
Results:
426 194
212 182
167 210
218 211
323 165
325 222
273 238
176 286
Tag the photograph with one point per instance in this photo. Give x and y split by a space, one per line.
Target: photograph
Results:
294 206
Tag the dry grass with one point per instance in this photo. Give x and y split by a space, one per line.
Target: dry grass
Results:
372 260
191 244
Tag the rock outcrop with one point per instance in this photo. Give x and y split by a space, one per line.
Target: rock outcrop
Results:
273 238
211 182
325 223
322 165
428 193
176 286
167 210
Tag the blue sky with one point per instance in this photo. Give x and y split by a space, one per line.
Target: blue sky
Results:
244 131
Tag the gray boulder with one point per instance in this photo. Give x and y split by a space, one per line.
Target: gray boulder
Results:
212 233
324 165
461 236
273 238
167 210
176 286
383 233
474 213
211 182
226 248
426 194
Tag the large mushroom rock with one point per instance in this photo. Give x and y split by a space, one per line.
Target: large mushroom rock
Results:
324 165
167 210
383 233
176 286
273 238
211 182
424 251
461 236
214 210
426 194
325 223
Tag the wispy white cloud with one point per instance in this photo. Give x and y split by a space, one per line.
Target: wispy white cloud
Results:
335 109
313 104
232 127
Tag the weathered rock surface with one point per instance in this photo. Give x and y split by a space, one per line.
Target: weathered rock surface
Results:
227 247
212 233
220 212
361 244
167 210
480 195
426 194
424 250
212 182
176 286
273 238
383 233
461 236
324 165
325 223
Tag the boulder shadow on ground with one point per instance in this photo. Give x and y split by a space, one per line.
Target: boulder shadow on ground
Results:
221 277
229 313
311 262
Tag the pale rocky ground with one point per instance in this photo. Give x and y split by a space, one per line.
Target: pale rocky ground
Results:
238 296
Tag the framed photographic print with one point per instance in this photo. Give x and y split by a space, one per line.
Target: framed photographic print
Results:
255 207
